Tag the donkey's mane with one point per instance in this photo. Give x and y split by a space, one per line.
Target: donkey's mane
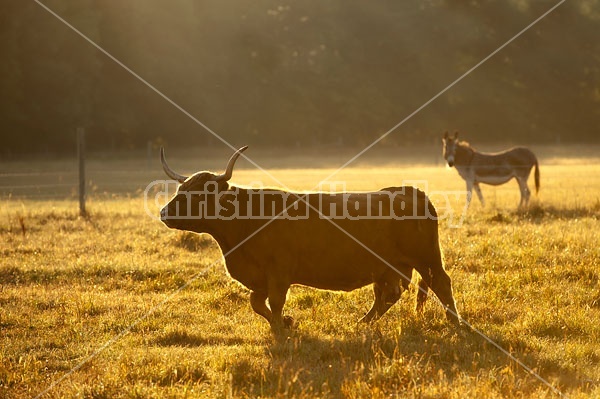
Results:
466 144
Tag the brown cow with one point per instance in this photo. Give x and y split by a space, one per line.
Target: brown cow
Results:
272 239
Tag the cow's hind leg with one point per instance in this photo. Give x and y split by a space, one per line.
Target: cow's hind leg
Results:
422 292
259 305
277 296
435 277
442 287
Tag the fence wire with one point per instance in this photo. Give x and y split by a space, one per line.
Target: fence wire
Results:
64 185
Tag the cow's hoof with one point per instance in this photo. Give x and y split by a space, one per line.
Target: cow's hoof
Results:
289 322
453 317
366 320
286 325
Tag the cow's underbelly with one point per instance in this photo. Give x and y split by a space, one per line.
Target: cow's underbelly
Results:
347 268
248 273
337 278
335 286
323 257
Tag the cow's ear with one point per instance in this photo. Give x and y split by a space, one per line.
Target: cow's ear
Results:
223 185
445 135
455 134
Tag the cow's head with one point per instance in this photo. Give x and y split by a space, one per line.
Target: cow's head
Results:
449 147
184 211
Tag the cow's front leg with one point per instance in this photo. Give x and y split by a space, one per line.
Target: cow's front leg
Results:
376 304
277 296
387 291
391 294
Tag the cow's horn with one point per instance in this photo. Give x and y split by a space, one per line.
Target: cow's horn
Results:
169 171
229 171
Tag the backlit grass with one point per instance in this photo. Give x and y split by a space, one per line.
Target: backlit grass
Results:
528 280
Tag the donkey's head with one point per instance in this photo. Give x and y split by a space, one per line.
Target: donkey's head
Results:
449 147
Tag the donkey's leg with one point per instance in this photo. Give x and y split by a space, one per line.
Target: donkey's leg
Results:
525 193
479 195
469 193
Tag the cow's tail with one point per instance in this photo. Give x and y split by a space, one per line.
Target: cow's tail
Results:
536 175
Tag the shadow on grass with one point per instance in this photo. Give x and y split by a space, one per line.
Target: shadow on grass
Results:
538 213
184 339
369 360
110 277
382 358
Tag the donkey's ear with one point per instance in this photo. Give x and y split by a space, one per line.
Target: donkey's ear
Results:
455 134
445 135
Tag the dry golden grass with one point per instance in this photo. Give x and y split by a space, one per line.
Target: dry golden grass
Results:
181 328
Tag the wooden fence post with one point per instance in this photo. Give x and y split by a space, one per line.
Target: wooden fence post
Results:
81 159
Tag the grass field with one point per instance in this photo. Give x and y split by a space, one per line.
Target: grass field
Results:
143 311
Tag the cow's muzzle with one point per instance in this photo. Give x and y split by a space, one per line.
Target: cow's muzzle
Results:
164 214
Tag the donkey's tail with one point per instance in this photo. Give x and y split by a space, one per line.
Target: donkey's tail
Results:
537 177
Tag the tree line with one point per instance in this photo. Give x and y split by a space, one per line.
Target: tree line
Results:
289 73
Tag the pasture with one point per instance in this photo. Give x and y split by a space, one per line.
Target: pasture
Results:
142 311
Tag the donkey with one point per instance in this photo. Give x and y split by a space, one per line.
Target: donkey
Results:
495 169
